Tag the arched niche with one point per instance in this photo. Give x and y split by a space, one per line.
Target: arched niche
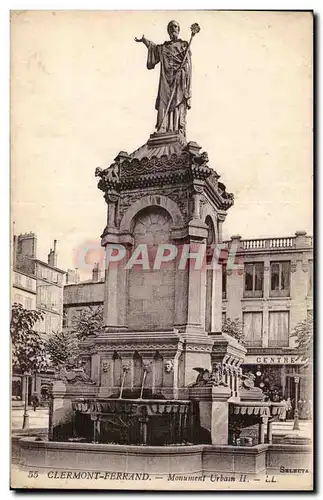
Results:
158 368
151 292
151 201
211 234
117 369
137 369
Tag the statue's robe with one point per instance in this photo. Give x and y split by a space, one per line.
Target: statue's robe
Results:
170 55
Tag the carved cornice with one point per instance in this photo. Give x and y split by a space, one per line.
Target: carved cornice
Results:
185 168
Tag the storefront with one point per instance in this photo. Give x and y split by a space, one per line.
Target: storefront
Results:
38 384
276 376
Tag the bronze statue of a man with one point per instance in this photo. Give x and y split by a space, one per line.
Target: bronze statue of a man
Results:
174 91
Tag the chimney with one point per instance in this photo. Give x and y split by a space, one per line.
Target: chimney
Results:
27 245
25 250
96 272
52 256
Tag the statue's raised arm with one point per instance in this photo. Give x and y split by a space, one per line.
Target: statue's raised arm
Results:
143 40
174 91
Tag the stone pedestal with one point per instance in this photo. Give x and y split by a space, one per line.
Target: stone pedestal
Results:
165 208
60 408
214 413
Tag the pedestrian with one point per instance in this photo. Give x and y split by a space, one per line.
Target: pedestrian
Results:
34 401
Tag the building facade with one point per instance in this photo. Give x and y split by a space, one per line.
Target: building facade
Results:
270 292
79 296
24 292
36 285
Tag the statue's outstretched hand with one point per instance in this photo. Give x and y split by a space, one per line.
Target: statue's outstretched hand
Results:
140 39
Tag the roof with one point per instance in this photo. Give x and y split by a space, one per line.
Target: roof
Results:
50 266
85 282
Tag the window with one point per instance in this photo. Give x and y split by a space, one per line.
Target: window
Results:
278 329
224 317
280 278
224 281
252 328
44 273
18 299
17 279
54 276
43 296
254 279
29 283
28 303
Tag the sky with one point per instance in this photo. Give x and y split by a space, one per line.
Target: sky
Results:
80 93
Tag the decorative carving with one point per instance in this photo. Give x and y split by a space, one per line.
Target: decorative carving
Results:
106 366
218 374
75 376
147 366
305 266
201 159
293 267
109 177
169 366
135 347
180 196
111 197
215 378
248 380
154 165
126 367
204 376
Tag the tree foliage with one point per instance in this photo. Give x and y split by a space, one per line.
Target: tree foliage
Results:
234 329
303 335
63 350
89 322
28 348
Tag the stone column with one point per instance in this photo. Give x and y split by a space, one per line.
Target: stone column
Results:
270 432
263 424
214 411
95 368
115 294
216 306
220 415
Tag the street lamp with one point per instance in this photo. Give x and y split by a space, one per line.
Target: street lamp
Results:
296 422
25 423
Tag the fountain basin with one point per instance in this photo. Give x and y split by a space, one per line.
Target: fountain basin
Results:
156 422
160 460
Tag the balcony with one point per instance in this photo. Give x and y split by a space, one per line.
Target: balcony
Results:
300 240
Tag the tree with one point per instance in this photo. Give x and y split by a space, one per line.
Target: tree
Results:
234 329
28 348
89 322
63 350
303 335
